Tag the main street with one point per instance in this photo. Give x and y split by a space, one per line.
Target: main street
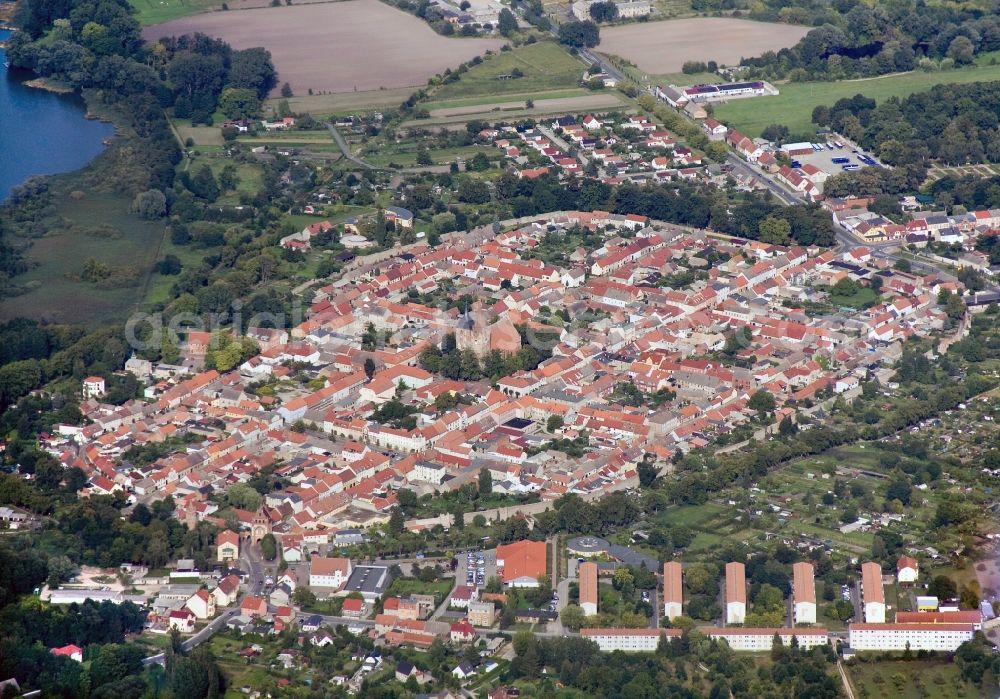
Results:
255 583
784 194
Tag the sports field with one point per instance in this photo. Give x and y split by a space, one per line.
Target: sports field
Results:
793 107
336 47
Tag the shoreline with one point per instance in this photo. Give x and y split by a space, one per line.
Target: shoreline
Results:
49 86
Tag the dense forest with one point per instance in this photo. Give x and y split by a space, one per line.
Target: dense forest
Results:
856 39
948 124
951 124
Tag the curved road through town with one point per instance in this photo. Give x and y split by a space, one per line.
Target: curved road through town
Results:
254 585
342 144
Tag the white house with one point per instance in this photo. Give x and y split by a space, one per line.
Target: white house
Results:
329 572
93 387
182 620
907 570
202 604
227 591
291 551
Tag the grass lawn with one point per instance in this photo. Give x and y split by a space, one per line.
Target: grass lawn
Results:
346 102
793 107
546 66
861 298
157 11
910 680
412 586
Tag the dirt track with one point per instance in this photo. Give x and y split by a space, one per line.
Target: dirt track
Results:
337 47
663 47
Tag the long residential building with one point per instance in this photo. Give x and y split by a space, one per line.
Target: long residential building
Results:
760 640
803 593
588 588
628 640
943 637
736 593
974 617
673 590
872 593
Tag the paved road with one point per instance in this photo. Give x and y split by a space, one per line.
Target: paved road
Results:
342 144
550 134
589 55
248 556
783 193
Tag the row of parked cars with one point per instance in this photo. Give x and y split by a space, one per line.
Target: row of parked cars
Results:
475 570
844 161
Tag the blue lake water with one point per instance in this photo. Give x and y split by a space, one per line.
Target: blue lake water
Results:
42 133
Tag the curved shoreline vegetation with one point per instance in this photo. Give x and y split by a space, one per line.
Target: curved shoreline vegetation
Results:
114 210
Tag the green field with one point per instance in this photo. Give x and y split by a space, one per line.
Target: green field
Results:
54 293
546 66
411 586
157 11
863 297
345 102
793 107
495 99
405 155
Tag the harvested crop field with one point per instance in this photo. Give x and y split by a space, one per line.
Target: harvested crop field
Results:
663 47
336 47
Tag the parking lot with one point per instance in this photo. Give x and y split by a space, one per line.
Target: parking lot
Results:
476 567
833 157
845 156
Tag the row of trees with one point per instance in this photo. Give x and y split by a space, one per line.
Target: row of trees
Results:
577 663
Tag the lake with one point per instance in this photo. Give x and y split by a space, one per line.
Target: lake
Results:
43 133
